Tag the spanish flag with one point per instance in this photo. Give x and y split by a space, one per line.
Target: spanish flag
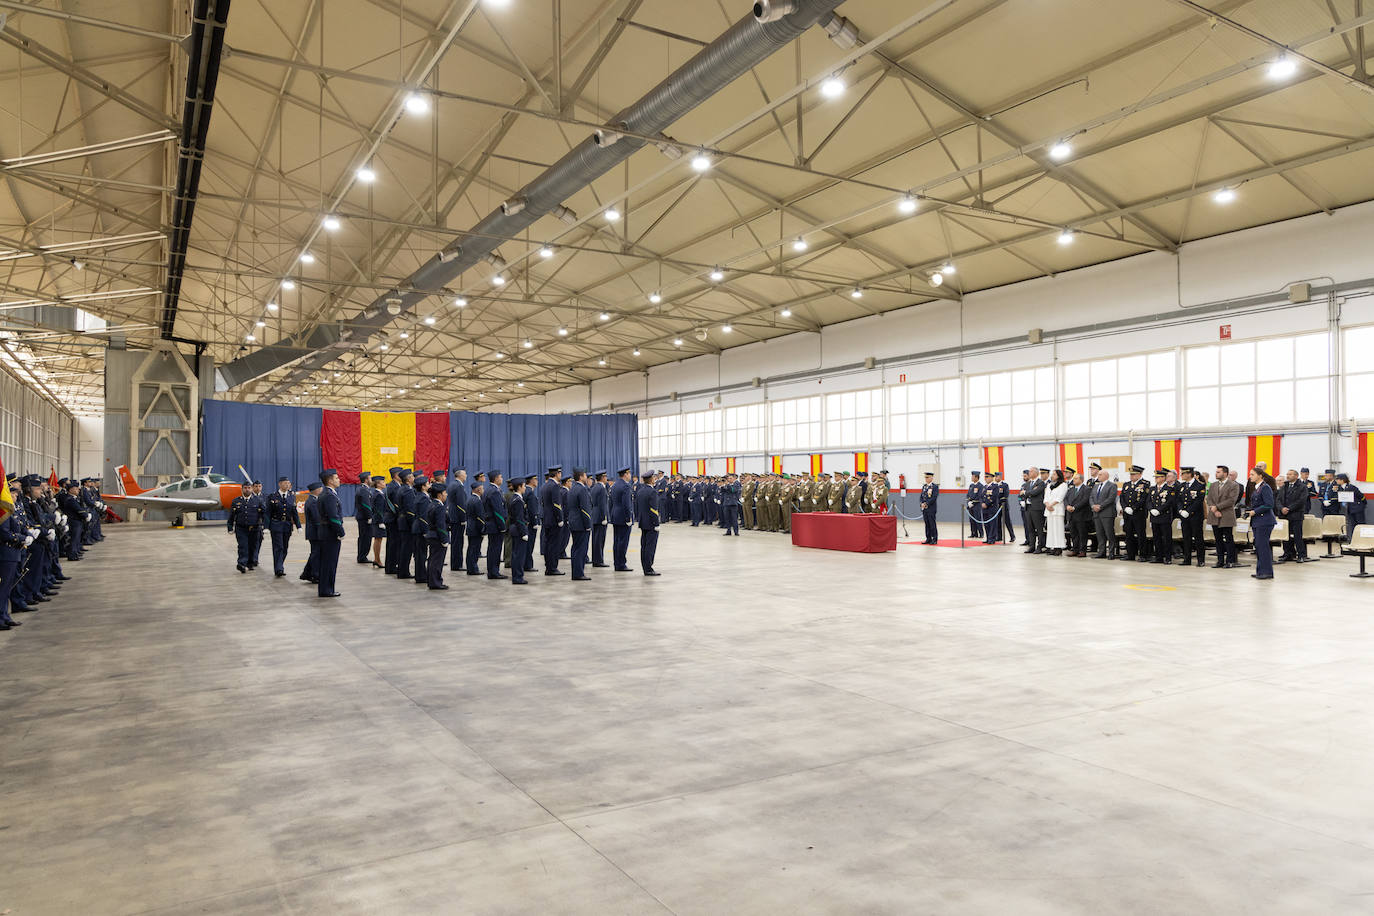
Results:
992 459
672 468
52 478
356 442
6 504
816 465
729 465
861 462
1266 449
1364 464
1071 456
1169 451
701 467
777 464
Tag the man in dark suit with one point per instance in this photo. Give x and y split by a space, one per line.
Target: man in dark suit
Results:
405 521
437 536
621 510
456 508
494 520
647 513
579 523
600 503
362 514
517 526
475 527
282 518
1033 491
1078 509
1292 502
1102 501
311 510
331 532
551 520
930 501
391 512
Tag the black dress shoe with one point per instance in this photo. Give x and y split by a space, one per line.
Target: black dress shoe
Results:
472 573
556 572
4 626
333 595
366 562
1218 565
39 599
279 574
13 623
497 576
19 607
405 577
623 569
518 582
650 572
601 566
63 578
239 567
581 578
438 588
1258 576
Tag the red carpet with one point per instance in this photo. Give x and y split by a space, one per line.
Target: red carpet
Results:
944 542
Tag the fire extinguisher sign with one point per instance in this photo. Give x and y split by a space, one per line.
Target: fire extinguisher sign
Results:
1225 332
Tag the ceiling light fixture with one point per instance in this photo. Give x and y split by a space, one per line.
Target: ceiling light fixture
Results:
272 306
260 323
527 344
832 87
498 280
785 313
948 269
288 285
701 162
1061 151
799 244
677 341
612 215
519 384
429 319
500 355
726 329
78 264
417 104
717 275
307 258
605 316
635 351
1066 237
383 347
331 223
249 337
601 361
857 293
546 252
907 204
366 175
655 298
461 302
404 334
1282 68
1224 195
562 331
937 279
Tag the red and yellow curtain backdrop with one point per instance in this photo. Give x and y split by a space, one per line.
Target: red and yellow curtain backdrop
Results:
816 465
729 465
701 467
992 459
861 462
356 442
777 464
1168 453
1364 464
672 468
1071 456
1266 449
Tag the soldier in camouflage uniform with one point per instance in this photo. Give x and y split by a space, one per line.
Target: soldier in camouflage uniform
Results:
853 497
877 493
746 501
835 493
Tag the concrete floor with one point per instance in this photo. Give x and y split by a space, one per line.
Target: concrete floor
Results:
762 730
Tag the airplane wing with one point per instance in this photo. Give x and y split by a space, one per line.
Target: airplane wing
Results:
168 503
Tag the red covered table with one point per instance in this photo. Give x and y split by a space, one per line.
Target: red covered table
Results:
841 531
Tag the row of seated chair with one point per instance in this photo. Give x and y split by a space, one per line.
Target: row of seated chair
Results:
1330 529
1361 545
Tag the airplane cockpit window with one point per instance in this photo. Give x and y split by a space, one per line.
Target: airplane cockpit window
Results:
215 478
200 482
172 488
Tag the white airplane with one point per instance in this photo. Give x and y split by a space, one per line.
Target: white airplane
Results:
205 492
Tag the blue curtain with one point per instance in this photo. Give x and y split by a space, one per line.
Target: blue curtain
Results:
519 444
270 441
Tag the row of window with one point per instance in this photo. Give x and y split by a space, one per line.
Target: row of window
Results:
1277 381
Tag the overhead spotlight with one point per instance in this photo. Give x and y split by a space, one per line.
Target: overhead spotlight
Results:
601 361
907 204
1061 151
947 269
404 335
936 279
677 341
417 104
604 316
799 244
393 305
857 293
841 31
461 302
785 313
260 323
1282 68
546 252
519 384
701 162
513 206
272 306
449 404
429 319
635 351
773 10
564 214
527 343
307 258
726 329
384 347
717 275
365 174
562 331
499 389
78 264
288 285
331 223
612 214
498 280
498 4
249 337
1224 195
832 87
499 355
1066 237
655 298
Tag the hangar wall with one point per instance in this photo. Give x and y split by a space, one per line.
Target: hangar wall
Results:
35 434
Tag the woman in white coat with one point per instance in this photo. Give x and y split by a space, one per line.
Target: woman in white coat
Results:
1054 513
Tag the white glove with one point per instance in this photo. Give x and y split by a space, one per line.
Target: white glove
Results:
970 504
381 527
525 537
60 516
1130 511
34 532
28 540
52 535
100 504
1154 512
1183 513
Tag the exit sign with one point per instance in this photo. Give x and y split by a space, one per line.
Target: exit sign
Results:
1225 332
902 377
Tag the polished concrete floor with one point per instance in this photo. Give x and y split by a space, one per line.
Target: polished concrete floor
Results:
762 730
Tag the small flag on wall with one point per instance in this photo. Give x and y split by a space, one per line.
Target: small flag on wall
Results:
52 477
701 467
861 462
992 459
1071 456
729 465
672 467
777 464
1168 453
1364 464
1266 449
816 465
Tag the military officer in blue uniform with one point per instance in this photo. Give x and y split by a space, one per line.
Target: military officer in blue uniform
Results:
494 524
621 512
1306 475
1163 502
1262 521
579 523
281 519
456 508
647 514
332 532
391 512
1135 506
601 498
311 510
1352 510
1192 493
1326 494
730 505
403 530
476 526
377 499
990 509
419 527
362 514
245 519
14 539
437 536
517 526
930 502
69 501
551 507
974 502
